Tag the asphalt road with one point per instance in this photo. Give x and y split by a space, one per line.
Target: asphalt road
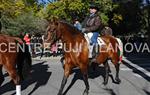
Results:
47 75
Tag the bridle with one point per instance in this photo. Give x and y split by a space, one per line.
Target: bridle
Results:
53 34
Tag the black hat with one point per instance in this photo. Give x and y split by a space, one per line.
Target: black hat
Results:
94 6
76 18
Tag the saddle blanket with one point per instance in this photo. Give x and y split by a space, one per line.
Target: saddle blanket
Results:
102 43
99 40
88 37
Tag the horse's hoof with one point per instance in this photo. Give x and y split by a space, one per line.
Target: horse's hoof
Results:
59 94
118 81
105 83
1 81
86 92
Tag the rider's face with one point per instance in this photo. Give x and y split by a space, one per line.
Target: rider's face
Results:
92 10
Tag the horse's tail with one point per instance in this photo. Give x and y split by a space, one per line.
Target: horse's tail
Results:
120 49
108 39
24 62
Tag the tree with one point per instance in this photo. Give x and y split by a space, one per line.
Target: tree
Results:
21 16
129 16
69 9
65 9
11 8
148 20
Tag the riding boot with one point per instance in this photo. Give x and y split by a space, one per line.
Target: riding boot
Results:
95 52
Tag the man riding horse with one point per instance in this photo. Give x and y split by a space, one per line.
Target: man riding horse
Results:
92 24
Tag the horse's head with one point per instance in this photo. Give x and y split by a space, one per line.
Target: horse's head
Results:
106 31
53 33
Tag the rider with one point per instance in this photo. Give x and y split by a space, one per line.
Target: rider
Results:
92 24
77 24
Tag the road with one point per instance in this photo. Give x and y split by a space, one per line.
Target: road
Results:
47 75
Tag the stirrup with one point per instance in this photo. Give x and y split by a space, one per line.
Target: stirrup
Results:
93 60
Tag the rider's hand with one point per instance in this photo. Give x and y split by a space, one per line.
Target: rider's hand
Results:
83 30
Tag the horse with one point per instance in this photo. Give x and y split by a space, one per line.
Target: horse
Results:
17 62
111 51
75 55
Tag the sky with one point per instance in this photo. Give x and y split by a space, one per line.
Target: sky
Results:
46 1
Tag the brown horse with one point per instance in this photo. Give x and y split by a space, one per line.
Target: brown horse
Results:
110 51
76 55
17 62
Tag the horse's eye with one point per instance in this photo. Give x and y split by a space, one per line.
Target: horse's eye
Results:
53 30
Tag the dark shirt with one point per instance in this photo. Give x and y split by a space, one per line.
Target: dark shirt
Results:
92 23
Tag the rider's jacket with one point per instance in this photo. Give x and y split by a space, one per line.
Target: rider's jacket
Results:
92 23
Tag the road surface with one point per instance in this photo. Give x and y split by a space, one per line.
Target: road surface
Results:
47 75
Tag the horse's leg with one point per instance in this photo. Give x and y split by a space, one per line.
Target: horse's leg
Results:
62 61
109 70
67 70
93 66
63 83
84 70
117 66
106 66
1 76
10 68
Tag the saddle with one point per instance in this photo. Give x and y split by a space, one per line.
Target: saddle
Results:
88 39
102 43
99 39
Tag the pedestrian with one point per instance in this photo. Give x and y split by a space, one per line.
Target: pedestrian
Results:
21 35
77 24
27 40
92 25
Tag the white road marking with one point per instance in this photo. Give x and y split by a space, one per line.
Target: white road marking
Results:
147 73
128 69
137 75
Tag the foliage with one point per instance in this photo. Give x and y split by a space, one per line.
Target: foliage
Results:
70 9
21 16
125 17
23 23
65 9
129 17
11 8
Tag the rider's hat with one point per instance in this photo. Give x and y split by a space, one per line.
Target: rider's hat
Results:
76 18
94 6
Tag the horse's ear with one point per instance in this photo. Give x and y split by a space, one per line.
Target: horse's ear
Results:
54 20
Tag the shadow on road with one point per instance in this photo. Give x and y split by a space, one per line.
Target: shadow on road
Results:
135 70
99 71
40 76
147 92
110 91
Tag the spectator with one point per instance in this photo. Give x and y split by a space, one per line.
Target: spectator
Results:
27 40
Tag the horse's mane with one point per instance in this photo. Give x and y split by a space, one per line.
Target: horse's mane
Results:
11 38
73 30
